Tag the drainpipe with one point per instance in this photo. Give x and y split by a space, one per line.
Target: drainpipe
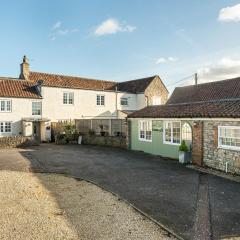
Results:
226 166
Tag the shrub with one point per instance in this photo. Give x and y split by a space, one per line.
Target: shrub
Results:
183 147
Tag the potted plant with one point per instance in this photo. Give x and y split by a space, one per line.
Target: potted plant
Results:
184 154
102 133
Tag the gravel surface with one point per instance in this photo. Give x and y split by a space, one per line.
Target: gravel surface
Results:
44 206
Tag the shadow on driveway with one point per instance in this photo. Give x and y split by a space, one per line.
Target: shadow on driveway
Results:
163 189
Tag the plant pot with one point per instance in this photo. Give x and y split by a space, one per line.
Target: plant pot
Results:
184 157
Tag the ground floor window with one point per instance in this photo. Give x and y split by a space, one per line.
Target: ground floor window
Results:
145 130
172 132
5 127
229 137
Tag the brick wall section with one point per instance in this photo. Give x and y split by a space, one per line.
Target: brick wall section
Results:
215 157
197 146
18 141
156 88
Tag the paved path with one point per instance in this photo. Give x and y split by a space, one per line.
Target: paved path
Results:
163 189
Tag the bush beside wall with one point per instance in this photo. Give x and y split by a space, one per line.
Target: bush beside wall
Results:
17 141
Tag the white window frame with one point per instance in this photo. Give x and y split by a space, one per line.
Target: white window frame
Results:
124 99
68 94
4 127
156 100
6 101
147 126
171 142
101 100
40 108
227 146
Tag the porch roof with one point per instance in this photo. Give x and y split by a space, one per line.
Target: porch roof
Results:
36 119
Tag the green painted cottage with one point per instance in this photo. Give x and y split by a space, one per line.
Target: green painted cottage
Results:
206 116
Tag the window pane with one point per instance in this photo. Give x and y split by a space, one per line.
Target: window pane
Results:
168 131
229 136
8 127
65 98
71 97
2 105
8 106
124 101
36 108
1 127
102 100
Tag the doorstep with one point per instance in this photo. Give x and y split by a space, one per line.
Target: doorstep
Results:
218 173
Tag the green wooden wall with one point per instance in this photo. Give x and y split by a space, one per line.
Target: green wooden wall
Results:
156 147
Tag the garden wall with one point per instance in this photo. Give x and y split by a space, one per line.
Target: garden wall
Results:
17 141
110 141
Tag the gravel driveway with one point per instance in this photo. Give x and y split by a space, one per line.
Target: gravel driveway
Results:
50 206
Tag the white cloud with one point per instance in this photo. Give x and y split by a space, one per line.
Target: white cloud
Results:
223 69
166 60
57 25
230 14
57 30
112 26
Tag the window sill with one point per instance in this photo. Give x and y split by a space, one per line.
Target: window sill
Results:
229 148
144 140
170 143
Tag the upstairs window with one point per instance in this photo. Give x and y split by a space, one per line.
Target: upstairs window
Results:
145 130
229 137
124 101
172 132
5 106
36 108
68 98
100 100
5 127
156 100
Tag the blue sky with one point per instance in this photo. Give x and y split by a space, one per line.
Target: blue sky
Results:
122 40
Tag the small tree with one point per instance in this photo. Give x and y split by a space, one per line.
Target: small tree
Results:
183 147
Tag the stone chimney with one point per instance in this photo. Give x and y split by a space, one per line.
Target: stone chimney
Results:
24 69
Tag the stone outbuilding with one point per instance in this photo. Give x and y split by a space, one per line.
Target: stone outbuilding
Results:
206 116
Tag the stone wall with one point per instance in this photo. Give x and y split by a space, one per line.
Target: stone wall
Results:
105 141
156 88
215 157
18 141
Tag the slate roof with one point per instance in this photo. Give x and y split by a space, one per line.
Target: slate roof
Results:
17 88
210 100
135 86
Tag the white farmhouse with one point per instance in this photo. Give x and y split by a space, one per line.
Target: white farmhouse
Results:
31 102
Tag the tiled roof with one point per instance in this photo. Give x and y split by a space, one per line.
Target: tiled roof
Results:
53 80
135 86
226 89
214 99
17 88
212 109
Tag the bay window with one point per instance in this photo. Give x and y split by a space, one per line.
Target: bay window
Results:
172 132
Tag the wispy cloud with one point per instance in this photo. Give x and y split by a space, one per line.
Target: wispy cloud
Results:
223 69
57 31
166 60
57 25
230 14
112 26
